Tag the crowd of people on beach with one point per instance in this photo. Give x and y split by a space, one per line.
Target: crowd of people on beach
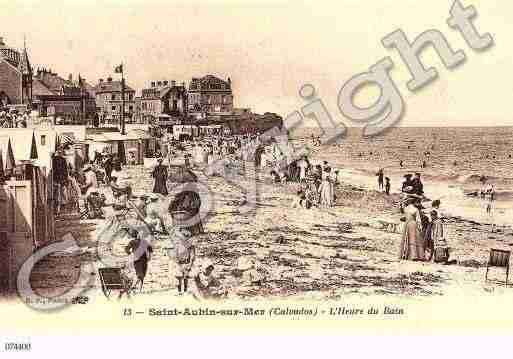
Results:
14 119
273 159
72 183
177 224
423 236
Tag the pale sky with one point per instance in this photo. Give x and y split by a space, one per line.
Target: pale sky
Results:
270 48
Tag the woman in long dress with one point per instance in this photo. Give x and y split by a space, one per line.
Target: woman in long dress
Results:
326 189
139 252
303 166
412 243
160 176
74 192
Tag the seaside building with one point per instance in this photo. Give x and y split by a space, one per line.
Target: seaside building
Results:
15 76
209 96
69 101
162 98
109 101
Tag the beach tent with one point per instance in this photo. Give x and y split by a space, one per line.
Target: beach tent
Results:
10 163
71 133
33 148
119 144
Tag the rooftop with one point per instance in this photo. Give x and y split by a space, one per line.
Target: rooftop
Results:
111 86
210 82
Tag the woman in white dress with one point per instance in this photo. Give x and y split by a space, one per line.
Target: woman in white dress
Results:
303 166
263 159
326 189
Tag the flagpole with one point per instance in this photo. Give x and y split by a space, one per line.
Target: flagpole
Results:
123 101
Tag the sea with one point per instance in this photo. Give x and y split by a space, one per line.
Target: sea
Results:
453 162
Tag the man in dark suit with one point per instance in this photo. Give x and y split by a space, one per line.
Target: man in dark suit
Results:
60 177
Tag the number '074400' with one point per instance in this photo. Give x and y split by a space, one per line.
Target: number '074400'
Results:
17 347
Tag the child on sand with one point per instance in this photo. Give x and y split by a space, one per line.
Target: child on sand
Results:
301 201
206 285
182 257
441 249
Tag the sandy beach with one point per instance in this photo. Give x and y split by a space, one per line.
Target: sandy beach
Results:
307 253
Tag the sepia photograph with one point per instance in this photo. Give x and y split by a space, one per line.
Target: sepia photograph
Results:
171 163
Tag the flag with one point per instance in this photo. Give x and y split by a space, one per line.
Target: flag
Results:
119 69
33 148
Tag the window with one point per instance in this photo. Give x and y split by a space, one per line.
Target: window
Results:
43 140
113 108
130 107
113 97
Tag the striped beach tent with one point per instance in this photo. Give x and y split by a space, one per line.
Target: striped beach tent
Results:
67 138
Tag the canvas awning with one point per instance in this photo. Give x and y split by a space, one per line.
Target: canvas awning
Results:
116 136
138 134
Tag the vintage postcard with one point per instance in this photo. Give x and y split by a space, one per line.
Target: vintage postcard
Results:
253 164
